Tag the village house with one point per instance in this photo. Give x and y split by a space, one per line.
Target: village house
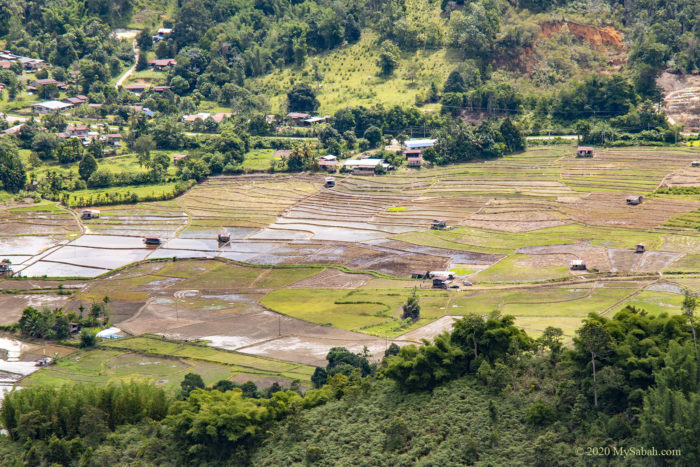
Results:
179 157
47 82
48 107
161 64
413 150
364 166
5 64
161 88
634 200
328 163
297 118
136 88
414 158
13 130
77 131
585 151
76 101
114 139
440 282
418 144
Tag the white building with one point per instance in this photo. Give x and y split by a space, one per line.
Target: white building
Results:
418 144
48 107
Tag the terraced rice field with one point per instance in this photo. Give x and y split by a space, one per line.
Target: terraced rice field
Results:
513 227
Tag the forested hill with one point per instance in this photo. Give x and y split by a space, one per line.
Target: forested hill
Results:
412 44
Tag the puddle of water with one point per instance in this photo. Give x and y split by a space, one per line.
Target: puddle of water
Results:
167 253
279 234
340 234
97 257
672 288
238 256
15 259
45 268
236 232
232 298
108 241
192 244
229 342
25 245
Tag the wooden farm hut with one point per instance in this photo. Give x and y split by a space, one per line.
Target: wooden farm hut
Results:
152 240
224 237
640 248
585 151
329 182
634 200
438 224
578 265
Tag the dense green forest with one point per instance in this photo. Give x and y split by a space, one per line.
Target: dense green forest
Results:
626 392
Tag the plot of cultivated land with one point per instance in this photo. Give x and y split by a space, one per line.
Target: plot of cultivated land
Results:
609 209
11 306
625 169
527 268
332 279
105 366
684 177
248 201
429 331
237 361
517 215
688 263
46 219
161 218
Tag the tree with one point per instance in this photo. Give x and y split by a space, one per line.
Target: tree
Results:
511 135
596 339
141 62
179 85
191 382
688 307
12 173
374 135
87 166
302 99
411 309
88 338
143 145
387 63
45 145
455 83
319 377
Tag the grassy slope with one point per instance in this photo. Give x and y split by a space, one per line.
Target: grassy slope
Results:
350 76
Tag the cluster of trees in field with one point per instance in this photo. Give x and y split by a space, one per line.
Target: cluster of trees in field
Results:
484 392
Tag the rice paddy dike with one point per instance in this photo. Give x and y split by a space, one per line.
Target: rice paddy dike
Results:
309 268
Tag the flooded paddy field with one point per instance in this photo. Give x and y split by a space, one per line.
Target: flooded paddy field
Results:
512 228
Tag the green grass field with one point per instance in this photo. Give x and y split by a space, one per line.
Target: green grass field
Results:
163 363
489 241
258 159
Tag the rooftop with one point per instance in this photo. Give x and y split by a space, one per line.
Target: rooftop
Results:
55 105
